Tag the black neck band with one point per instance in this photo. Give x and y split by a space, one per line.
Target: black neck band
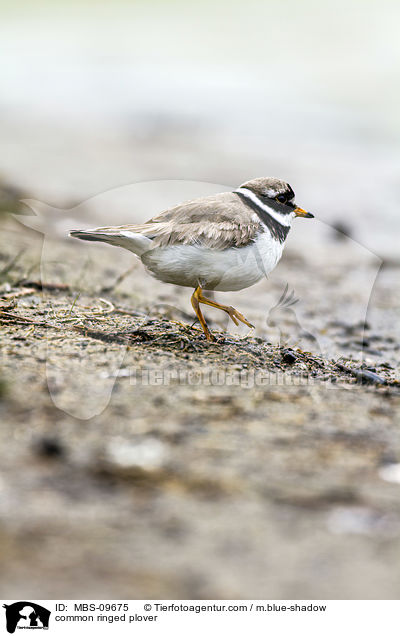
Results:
277 230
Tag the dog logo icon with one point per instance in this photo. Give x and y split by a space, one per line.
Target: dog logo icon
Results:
26 615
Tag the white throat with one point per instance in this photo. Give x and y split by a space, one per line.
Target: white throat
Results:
283 219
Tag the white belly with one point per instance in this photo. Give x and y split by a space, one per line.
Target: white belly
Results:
223 270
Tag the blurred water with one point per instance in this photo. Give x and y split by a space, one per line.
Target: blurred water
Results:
94 96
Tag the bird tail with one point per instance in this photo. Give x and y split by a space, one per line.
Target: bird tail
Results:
132 241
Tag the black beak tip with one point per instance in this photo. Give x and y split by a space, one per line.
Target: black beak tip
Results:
310 216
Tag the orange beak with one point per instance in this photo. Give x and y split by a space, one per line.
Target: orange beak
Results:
301 212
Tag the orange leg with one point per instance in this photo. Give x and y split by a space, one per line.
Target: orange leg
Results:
197 311
233 313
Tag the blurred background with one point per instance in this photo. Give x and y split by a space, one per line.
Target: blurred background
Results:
96 95
110 112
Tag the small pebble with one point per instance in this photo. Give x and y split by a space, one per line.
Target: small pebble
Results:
145 454
341 230
288 356
390 472
49 447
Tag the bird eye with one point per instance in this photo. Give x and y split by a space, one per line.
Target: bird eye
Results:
281 198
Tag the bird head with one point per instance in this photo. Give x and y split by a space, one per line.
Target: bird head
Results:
276 194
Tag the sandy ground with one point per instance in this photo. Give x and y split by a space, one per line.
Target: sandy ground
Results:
139 461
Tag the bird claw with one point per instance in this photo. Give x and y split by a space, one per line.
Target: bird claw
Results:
235 316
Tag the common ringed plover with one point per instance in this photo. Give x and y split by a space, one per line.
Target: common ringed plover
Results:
222 242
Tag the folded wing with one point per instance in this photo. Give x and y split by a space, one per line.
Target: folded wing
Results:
218 222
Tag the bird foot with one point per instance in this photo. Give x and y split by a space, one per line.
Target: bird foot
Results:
236 316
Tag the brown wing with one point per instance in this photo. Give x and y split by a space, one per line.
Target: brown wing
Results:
217 221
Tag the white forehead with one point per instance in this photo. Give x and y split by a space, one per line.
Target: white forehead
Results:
272 192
